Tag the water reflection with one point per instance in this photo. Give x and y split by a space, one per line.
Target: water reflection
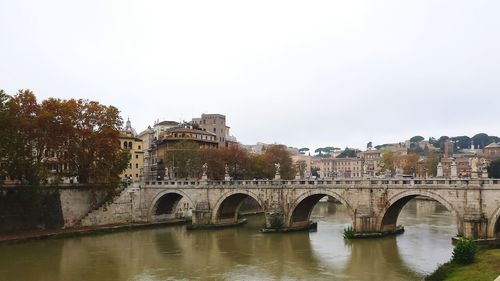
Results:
173 253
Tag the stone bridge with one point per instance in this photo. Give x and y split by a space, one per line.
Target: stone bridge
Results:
373 204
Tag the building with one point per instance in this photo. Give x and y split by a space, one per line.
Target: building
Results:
157 165
492 151
160 127
216 124
303 163
130 141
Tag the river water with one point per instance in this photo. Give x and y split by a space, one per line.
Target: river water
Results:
242 253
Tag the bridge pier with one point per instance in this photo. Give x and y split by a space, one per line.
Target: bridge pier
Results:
475 225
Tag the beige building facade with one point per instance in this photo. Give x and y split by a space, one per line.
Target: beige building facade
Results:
216 124
130 142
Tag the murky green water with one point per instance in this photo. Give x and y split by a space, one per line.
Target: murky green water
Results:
172 253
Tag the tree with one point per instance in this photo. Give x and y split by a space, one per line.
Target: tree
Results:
185 159
461 142
280 154
93 144
260 168
25 147
387 162
319 151
330 149
347 153
481 140
431 162
416 139
235 157
369 145
494 169
303 150
60 137
237 161
411 161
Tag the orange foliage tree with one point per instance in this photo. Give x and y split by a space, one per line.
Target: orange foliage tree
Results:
63 137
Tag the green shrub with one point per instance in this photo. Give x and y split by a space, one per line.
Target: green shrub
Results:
464 251
349 232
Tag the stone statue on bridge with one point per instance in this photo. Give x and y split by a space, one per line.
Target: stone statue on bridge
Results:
204 169
277 175
226 173
474 168
484 164
365 169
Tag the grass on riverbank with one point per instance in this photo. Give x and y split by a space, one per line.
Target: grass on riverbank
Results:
485 268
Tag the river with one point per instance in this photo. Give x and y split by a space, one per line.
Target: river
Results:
242 253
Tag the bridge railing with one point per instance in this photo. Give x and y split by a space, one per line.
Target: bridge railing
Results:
395 182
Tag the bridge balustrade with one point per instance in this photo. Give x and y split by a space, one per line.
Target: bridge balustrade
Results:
355 183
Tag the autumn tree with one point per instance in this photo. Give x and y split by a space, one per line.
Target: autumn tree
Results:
387 162
431 162
411 161
79 135
259 167
185 159
24 147
234 157
280 154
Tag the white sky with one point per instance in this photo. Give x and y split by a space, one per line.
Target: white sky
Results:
303 73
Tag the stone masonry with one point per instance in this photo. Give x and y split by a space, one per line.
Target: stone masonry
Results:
374 205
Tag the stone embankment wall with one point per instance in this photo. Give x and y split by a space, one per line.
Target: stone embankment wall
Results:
118 210
76 203
28 209
40 208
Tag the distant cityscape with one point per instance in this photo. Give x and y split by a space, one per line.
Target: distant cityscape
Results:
446 157
80 141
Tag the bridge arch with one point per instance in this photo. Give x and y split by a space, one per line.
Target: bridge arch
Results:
387 218
228 205
165 203
301 208
494 227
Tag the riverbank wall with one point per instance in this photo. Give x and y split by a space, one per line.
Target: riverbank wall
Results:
25 208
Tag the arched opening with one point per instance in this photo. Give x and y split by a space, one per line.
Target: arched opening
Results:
171 205
229 209
301 214
422 206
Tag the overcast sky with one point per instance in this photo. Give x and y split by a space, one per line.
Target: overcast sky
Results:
303 73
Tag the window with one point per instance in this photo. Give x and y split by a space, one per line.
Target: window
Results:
139 147
137 156
130 165
124 144
136 175
136 166
130 144
215 130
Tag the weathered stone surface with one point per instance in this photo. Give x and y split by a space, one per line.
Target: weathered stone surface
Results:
374 205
